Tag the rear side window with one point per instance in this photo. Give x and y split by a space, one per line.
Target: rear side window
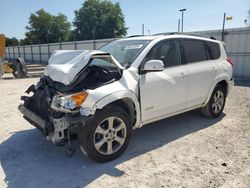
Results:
194 50
213 50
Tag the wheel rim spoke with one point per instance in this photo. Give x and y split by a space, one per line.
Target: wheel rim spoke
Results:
120 127
215 108
111 122
110 147
100 143
100 130
120 140
215 98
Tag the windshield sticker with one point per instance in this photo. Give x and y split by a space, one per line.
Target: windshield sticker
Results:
129 47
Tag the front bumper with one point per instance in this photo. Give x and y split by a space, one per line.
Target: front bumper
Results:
57 130
34 119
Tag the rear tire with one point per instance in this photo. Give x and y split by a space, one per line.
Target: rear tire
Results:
107 135
216 103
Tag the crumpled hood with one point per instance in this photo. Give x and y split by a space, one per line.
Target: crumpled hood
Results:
64 65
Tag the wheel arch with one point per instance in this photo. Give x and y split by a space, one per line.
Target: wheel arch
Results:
124 99
221 80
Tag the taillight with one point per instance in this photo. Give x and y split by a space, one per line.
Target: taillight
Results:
230 60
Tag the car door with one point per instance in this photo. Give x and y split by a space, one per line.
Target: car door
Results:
201 71
164 92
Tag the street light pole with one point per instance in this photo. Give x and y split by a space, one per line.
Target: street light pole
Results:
225 18
179 25
142 30
223 27
182 17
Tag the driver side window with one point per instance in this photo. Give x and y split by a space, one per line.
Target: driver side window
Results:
168 52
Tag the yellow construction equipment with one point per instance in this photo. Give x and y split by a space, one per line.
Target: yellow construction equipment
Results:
17 68
2 45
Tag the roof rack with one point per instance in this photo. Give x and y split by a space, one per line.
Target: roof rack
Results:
187 33
135 36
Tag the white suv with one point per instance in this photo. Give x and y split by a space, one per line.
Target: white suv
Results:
98 97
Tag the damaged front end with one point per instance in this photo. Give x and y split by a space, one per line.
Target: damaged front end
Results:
57 125
55 106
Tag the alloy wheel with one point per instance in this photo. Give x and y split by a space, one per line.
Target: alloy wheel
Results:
110 135
218 101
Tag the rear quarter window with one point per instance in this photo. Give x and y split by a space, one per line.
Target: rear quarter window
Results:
213 50
194 50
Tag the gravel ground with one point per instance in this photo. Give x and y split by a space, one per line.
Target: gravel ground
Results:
187 150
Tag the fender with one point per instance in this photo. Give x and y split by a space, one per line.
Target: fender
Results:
101 103
219 78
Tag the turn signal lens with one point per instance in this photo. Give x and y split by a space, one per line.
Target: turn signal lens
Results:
79 98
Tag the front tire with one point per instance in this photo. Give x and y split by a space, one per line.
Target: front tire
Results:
107 135
216 103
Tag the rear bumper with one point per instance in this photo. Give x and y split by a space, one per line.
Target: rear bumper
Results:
230 85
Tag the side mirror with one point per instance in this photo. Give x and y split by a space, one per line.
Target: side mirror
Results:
153 66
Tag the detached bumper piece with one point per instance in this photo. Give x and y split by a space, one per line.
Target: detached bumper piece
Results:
35 120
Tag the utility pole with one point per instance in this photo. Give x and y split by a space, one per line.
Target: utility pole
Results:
179 25
225 18
93 32
223 27
182 17
142 29
148 31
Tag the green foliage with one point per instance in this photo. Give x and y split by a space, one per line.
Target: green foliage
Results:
12 41
46 28
99 19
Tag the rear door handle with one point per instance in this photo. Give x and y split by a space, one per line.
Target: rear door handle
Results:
214 69
183 74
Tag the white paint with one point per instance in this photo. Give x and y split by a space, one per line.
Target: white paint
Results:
164 93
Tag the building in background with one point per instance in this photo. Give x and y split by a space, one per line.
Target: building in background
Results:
237 42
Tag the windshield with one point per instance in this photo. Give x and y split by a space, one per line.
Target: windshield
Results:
125 51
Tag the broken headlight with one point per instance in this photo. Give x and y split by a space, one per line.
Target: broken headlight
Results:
72 101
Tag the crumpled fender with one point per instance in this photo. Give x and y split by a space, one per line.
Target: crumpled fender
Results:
107 99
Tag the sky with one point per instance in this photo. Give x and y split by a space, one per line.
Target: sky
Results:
157 15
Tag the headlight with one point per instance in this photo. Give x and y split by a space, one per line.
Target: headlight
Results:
73 101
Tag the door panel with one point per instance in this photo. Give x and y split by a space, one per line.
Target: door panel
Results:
164 92
201 76
201 71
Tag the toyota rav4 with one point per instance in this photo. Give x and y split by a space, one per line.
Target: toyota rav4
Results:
98 97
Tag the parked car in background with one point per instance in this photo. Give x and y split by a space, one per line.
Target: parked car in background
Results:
99 97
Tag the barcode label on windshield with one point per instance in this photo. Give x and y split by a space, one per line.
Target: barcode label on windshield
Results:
129 47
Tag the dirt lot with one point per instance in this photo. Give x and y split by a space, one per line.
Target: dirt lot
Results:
183 151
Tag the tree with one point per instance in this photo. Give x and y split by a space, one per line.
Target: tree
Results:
99 19
46 28
12 41
247 20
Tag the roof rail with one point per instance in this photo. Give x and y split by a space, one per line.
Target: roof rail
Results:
187 33
135 36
